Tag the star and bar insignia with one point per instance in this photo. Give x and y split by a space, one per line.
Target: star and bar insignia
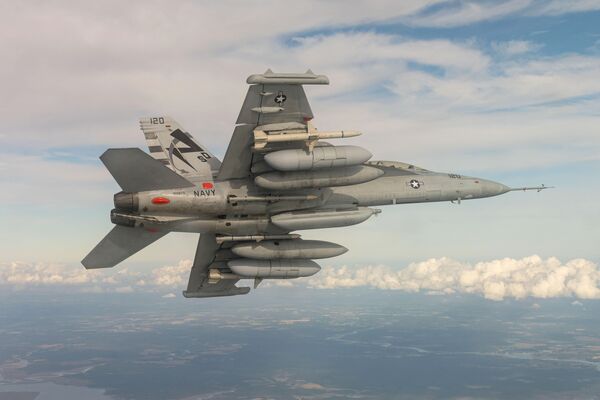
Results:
280 98
415 184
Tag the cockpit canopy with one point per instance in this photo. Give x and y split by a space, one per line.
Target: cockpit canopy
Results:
398 165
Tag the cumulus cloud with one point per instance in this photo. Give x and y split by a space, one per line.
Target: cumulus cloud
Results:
495 280
176 275
22 275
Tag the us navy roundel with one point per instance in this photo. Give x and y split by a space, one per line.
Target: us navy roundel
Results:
415 184
280 98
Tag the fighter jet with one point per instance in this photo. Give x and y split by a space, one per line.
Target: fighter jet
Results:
279 175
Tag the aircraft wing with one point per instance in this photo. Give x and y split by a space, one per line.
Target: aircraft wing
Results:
210 254
275 103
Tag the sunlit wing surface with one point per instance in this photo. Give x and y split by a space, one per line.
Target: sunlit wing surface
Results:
274 103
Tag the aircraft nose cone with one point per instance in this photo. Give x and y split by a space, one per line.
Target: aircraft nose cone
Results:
491 188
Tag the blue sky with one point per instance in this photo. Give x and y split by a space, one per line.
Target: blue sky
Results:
503 90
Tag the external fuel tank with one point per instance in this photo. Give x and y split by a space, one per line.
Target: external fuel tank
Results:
279 269
318 158
318 178
297 220
288 249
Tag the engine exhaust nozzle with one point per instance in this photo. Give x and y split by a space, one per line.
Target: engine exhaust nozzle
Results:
126 201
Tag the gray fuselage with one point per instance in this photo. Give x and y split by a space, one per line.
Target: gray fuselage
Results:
237 207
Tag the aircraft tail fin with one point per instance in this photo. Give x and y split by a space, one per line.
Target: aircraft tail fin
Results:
170 144
120 243
136 171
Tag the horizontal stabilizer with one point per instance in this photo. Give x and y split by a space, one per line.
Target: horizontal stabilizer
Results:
120 243
136 171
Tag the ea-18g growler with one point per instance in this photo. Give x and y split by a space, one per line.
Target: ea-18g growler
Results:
279 175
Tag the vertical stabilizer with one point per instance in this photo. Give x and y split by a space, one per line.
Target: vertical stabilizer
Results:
170 144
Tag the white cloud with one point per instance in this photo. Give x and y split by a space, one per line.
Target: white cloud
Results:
84 74
464 12
89 88
559 7
510 114
511 86
280 283
515 47
21 275
339 50
172 275
495 280
32 274
169 296
124 289
468 12
311 386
